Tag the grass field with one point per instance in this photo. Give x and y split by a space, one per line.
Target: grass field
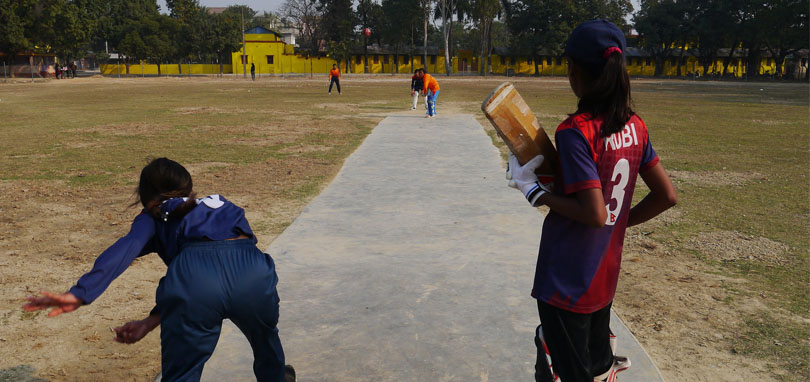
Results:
723 277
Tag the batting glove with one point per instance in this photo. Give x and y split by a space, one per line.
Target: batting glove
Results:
509 172
526 180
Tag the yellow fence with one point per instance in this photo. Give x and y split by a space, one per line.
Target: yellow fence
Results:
379 64
165 69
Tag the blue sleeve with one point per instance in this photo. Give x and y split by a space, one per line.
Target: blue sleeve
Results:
113 261
649 158
577 166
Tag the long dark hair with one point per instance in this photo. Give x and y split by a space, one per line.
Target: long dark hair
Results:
164 179
607 93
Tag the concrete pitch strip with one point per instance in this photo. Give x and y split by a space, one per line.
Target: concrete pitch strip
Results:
415 264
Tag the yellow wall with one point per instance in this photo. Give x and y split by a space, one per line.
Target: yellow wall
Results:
170 69
259 46
404 64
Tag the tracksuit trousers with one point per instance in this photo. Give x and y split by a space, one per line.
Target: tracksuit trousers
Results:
334 81
579 344
206 283
431 102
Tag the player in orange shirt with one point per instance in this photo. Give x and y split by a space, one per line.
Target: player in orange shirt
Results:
431 91
334 78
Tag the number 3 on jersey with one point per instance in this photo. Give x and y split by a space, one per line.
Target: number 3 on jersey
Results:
622 171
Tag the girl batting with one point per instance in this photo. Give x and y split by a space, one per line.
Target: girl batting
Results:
430 88
214 272
603 146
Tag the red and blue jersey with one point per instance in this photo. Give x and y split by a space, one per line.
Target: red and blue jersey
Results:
578 265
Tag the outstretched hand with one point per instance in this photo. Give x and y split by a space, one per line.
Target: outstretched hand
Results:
61 303
133 331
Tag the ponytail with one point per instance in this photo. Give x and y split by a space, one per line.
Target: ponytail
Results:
607 93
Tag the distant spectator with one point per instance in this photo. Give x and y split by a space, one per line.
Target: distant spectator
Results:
253 71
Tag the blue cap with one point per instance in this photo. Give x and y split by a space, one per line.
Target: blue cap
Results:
591 39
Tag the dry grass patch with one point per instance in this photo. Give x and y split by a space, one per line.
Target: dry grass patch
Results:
735 246
124 130
716 178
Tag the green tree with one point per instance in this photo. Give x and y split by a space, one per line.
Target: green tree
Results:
400 19
483 13
546 24
223 37
446 9
363 14
15 18
119 18
538 24
63 27
613 10
337 28
660 25
713 24
183 10
785 23
189 39
426 7
161 41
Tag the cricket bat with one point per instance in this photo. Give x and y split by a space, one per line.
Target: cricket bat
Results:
517 126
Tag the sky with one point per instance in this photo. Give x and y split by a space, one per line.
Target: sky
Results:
271 5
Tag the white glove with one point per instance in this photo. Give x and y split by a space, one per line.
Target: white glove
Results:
525 178
509 172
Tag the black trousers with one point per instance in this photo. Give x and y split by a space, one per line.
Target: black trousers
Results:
334 81
579 344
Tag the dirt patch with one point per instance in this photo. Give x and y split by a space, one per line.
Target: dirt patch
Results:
304 149
53 226
218 110
343 107
715 178
126 129
767 122
203 167
684 313
735 246
201 110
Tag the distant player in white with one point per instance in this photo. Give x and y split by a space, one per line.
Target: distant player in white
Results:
416 88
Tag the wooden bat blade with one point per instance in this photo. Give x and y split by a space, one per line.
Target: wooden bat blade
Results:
515 123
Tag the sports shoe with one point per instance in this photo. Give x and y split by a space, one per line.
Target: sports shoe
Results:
543 368
619 364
